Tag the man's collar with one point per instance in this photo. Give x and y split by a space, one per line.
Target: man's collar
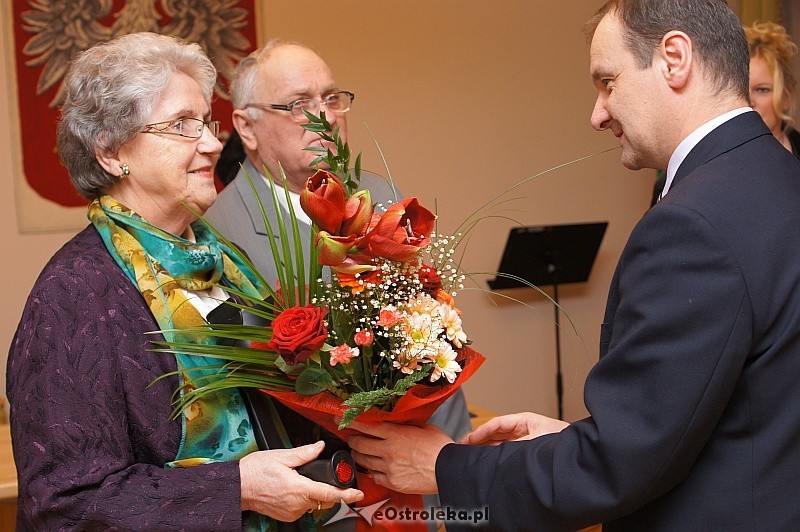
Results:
692 140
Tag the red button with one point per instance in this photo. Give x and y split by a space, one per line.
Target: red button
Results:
344 472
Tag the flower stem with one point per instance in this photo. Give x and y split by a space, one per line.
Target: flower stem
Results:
366 361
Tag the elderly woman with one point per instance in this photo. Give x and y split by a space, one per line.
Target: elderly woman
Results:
94 441
772 83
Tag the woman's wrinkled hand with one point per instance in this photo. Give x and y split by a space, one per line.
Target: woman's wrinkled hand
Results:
271 486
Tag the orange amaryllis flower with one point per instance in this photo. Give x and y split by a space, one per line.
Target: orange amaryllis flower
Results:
331 249
354 264
357 214
401 232
323 199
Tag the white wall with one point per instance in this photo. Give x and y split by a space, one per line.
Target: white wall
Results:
466 98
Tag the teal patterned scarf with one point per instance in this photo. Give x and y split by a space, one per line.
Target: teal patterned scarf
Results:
162 265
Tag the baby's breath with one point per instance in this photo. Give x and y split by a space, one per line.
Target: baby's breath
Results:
412 341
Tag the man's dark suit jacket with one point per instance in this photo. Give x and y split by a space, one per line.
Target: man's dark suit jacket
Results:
695 401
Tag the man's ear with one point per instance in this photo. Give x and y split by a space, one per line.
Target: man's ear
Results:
244 126
110 162
676 54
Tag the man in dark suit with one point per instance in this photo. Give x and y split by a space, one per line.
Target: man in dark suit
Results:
694 404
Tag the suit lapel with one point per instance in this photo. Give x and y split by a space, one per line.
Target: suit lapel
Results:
249 200
730 135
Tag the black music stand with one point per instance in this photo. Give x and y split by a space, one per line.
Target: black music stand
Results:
550 255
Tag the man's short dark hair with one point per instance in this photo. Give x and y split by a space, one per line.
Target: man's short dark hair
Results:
717 35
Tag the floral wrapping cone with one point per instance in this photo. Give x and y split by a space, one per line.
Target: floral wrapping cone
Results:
415 407
383 331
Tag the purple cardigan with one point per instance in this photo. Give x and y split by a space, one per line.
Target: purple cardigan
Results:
90 438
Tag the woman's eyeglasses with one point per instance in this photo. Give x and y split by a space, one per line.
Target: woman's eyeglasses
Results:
185 127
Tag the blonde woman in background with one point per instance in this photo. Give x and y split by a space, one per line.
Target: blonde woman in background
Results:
772 82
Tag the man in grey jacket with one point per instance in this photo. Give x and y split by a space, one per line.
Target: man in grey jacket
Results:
270 90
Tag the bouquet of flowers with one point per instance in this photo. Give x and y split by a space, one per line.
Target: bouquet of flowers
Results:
380 336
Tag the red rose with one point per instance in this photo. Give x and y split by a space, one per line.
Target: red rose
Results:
297 332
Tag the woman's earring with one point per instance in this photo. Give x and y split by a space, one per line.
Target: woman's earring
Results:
126 170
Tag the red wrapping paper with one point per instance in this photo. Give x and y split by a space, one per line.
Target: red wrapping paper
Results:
415 408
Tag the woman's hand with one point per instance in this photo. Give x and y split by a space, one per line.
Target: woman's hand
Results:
272 487
523 426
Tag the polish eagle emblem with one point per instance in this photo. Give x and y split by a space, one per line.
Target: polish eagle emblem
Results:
60 29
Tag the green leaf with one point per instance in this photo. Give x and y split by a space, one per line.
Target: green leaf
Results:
276 255
313 380
238 380
286 368
349 416
316 128
380 397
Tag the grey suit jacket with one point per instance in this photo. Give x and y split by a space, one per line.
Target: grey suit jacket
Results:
237 215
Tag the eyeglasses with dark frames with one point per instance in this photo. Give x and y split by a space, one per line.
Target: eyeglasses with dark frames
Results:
185 127
337 103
